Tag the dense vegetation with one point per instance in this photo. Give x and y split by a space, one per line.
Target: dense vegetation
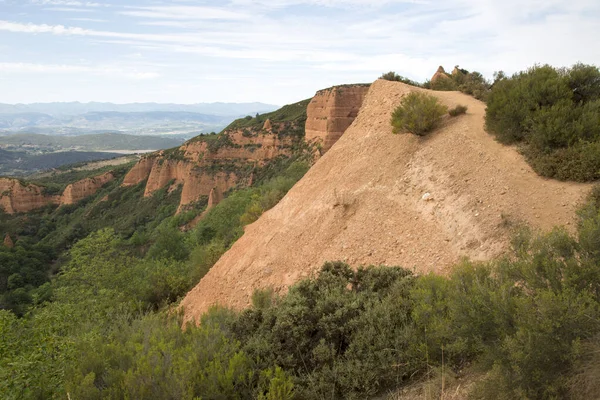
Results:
524 319
418 113
46 233
555 115
111 283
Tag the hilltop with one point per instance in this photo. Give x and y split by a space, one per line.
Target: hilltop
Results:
363 202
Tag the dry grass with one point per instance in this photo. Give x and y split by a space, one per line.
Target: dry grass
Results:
585 382
441 386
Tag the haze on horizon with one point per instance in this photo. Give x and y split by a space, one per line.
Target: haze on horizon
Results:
272 51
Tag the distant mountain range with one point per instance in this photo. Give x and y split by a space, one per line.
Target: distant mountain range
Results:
186 120
76 108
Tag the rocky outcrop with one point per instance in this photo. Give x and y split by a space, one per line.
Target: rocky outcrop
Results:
214 198
162 172
18 197
201 184
196 182
267 126
139 172
440 75
331 112
79 190
8 242
212 162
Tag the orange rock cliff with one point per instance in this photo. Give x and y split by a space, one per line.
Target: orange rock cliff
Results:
16 197
210 165
331 112
198 164
209 162
86 187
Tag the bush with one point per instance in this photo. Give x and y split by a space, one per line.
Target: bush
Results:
418 113
458 110
392 76
553 114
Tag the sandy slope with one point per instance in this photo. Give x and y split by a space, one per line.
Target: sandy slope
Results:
362 203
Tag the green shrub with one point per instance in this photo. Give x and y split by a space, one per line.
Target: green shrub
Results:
392 76
444 85
554 114
458 110
418 113
471 83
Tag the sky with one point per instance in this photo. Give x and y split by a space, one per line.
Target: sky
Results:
273 51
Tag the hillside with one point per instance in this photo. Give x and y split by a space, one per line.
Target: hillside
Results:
362 202
220 162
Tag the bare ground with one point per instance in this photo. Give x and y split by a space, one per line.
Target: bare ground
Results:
363 203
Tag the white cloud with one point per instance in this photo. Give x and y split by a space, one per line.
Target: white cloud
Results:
68 3
185 13
299 49
68 9
89 19
115 71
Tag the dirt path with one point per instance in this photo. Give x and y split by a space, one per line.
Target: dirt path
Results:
363 203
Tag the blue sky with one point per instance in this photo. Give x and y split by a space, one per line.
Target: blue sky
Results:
279 51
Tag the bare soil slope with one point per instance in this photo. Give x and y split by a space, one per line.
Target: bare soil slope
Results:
363 203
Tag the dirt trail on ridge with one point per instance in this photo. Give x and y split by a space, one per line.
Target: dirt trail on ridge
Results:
362 202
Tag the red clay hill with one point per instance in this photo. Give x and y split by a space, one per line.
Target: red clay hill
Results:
379 198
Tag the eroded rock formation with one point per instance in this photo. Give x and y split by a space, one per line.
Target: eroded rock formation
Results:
139 172
212 163
8 242
331 112
86 187
18 197
440 75
214 198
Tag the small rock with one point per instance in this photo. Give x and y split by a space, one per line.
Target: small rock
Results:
427 197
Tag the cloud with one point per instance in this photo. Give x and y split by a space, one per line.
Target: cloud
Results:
315 42
88 19
326 3
68 3
68 9
42 28
115 71
185 13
